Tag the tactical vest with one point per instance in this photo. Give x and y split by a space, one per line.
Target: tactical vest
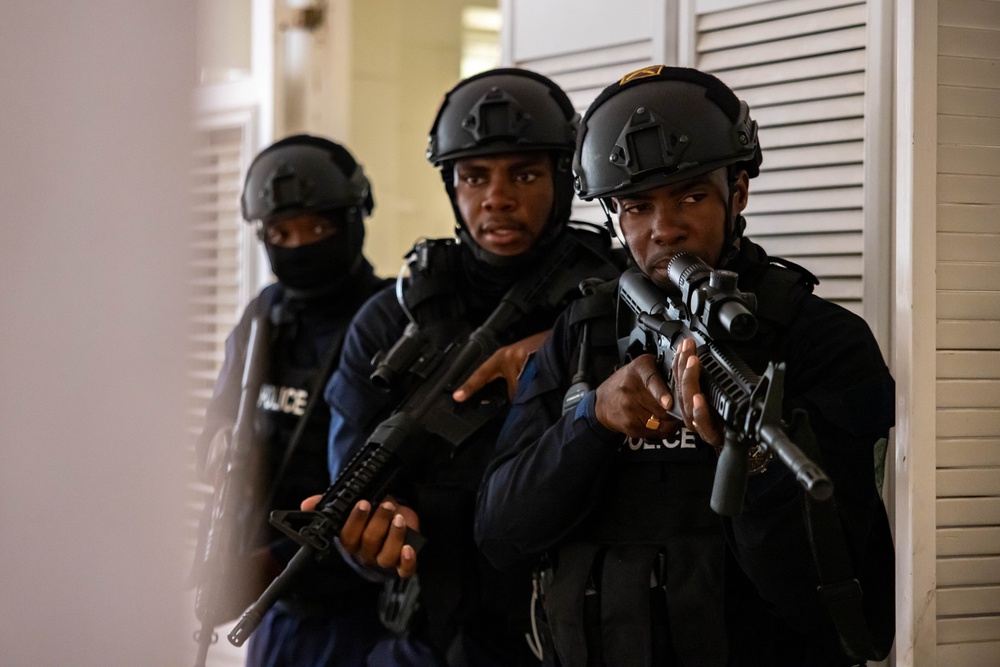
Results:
641 581
452 568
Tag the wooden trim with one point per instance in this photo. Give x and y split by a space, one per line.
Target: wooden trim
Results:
914 334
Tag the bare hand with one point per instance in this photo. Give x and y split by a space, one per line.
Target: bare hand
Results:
375 540
507 363
635 400
699 417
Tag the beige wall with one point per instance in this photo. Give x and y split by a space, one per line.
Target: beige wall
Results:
405 56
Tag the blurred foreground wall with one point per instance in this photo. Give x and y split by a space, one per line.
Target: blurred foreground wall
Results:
93 196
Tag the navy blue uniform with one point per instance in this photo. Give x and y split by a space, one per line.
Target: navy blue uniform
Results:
328 616
470 613
629 522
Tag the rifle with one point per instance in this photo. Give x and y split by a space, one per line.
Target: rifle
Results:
709 309
396 448
225 541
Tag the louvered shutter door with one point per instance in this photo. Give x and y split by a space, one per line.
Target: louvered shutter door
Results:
583 75
968 333
800 65
594 58
222 251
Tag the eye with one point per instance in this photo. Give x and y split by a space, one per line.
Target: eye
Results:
526 177
274 235
323 227
634 208
471 178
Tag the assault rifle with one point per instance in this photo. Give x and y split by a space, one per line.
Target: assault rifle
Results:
397 448
225 541
709 309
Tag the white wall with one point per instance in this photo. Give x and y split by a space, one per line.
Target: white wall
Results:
93 187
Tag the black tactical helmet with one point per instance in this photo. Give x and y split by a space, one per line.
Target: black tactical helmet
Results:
506 111
306 174
501 111
660 125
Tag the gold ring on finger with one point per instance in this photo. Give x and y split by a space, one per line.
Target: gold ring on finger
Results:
652 423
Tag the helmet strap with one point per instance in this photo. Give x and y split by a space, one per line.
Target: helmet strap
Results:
734 225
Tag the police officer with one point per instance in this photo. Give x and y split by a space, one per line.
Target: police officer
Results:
503 141
615 494
308 198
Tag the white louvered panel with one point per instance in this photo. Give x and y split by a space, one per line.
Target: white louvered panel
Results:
795 157
808 179
767 11
215 244
968 629
971 130
781 51
596 78
982 541
964 452
638 51
972 72
969 189
969 247
800 65
969 600
983 393
977 14
968 482
830 87
974 218
811 133
808 201
819 244
218 274
968 275
969 654
952 512
968 423
822 221
968 101
968 364
962 571
584 74
981 160
968 306
804 31
777 49
968 335
849 106
975 43
825 268
806 69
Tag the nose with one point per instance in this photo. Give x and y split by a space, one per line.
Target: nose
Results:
666 231
294 237
499 195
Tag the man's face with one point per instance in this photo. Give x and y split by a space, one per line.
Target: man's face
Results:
688 216
505 199
298 230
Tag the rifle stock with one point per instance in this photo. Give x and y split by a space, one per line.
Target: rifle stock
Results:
708 309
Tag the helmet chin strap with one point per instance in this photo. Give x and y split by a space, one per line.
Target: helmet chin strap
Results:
735 224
